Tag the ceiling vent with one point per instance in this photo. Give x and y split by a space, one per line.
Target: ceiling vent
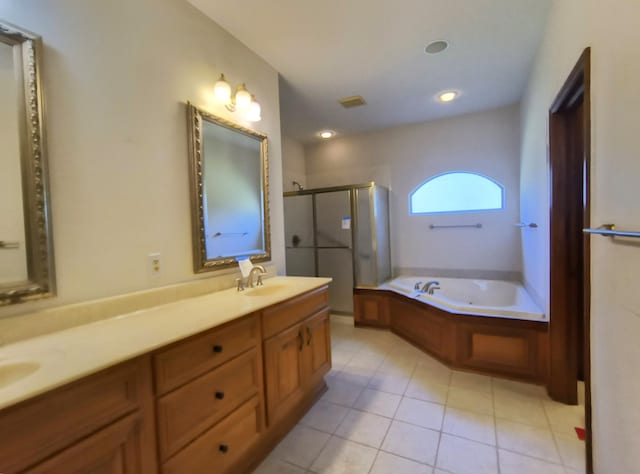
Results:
353 101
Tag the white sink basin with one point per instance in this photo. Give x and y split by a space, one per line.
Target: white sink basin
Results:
266 290
12 371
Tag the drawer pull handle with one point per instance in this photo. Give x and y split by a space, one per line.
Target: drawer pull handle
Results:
300 340
219 395
223 448
308 336
217 348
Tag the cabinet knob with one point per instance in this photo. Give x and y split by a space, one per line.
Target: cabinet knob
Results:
217 348
223 448
219 395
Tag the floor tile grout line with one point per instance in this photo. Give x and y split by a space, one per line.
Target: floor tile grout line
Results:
374 461
454 435
532 457
435 461
495 423
387 432
324 445
555 441
405 457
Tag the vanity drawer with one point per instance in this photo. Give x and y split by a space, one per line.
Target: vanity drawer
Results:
186 360
282 316
222 446
188 411
32 431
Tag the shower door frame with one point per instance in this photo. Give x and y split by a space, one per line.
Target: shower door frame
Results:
352 188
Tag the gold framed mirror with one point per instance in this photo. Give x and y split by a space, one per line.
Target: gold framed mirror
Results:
229 192
26 248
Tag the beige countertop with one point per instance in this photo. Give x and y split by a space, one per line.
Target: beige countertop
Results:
65 356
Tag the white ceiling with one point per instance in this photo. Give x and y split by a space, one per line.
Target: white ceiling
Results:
327 50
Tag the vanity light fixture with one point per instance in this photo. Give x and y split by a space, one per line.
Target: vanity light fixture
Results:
254 111
240 101
448 96
326 134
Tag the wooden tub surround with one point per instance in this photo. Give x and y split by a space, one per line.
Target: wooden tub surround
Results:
217 401
502 347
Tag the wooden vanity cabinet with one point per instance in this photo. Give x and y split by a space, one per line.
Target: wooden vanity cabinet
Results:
103 423
296 360
194 406
318 348
115 449
210 402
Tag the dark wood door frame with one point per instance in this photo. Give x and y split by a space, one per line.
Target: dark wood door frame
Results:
565 297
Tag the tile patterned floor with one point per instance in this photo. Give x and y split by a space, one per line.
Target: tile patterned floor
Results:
391 409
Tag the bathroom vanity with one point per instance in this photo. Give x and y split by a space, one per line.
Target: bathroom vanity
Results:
207 384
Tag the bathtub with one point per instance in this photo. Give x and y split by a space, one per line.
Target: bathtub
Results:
493 298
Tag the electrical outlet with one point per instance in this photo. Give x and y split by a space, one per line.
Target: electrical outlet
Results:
155 264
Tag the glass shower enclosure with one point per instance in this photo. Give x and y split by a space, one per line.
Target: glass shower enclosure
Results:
342 233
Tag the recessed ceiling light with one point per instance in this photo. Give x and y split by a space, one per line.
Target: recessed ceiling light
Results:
326 134
436 47
447 96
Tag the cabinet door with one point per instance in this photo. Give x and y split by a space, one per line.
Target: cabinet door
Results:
317 352
116 449
284 372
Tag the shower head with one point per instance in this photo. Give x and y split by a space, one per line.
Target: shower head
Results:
299 186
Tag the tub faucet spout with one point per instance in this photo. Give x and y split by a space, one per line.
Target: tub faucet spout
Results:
427 286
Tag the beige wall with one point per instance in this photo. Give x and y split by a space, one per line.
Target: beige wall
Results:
117 75
403 157
293 164
611 29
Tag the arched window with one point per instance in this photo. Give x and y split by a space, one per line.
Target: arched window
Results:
457 191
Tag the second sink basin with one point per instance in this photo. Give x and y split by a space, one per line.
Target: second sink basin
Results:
266 290
12 371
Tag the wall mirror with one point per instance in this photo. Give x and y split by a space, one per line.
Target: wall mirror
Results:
26 253
229 192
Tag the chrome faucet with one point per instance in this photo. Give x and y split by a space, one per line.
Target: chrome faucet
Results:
427 288
417 286
432 288
260 270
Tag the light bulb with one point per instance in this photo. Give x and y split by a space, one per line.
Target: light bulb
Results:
243 97
327 134
447 96
254 111
222 90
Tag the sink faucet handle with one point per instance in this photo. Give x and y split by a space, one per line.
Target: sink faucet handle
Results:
239 284
260 282
417 285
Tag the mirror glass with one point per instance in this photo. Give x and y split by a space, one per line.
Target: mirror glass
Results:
13 257
26 257
229 192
